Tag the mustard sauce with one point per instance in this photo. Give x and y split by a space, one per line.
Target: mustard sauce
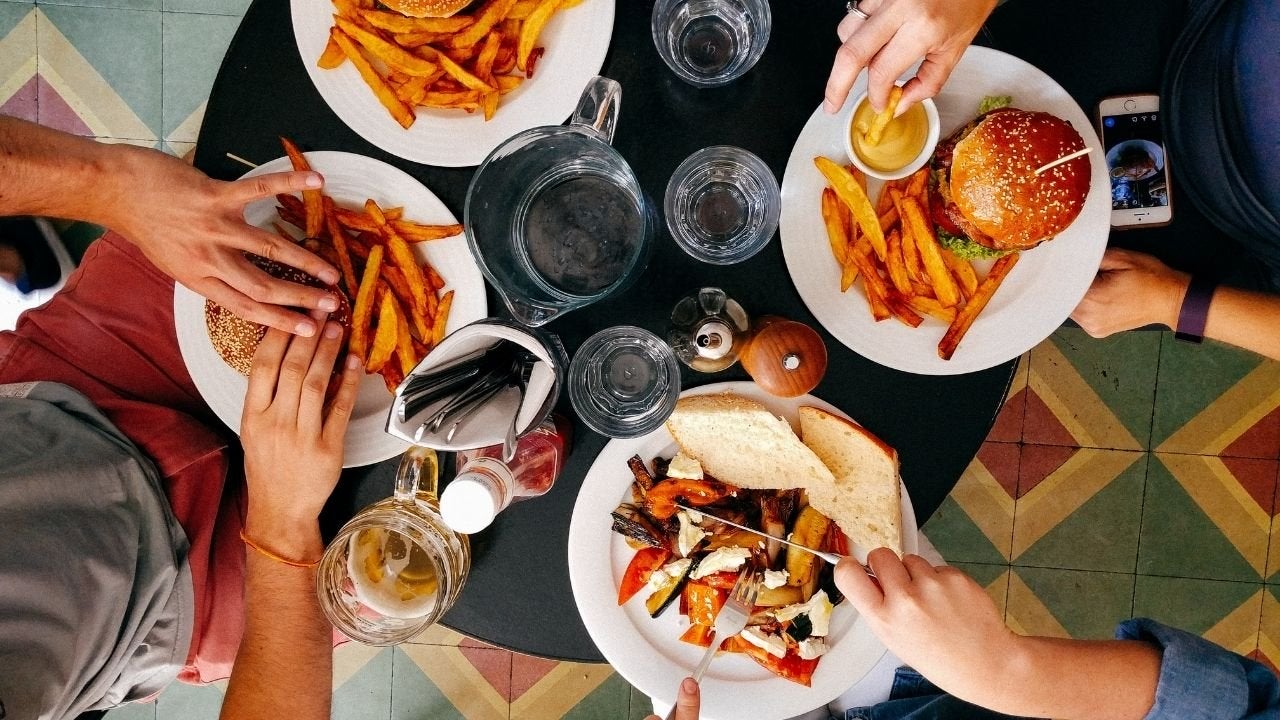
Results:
902 141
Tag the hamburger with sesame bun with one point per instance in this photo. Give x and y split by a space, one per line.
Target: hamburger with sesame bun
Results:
988 200
426 8
236 339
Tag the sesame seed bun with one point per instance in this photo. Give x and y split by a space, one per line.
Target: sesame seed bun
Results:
426 8
236 339
1000 201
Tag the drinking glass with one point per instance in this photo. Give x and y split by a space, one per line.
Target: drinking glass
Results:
711 42
556 217
722 205
395 568
624 382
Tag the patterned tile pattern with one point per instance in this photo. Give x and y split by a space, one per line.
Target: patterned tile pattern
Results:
1128 476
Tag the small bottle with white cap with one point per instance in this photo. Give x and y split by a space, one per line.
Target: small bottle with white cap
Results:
484 485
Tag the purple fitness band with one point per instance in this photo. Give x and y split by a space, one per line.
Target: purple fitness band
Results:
1195 310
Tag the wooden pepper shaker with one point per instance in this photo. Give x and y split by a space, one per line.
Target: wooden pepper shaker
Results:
784 357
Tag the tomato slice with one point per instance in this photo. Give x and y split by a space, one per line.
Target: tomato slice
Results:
703 602
791 667
721 580
646 561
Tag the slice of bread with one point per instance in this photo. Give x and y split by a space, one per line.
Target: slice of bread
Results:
865 498
738 441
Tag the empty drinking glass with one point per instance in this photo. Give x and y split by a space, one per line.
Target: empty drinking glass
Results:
711 42
722 205
624 382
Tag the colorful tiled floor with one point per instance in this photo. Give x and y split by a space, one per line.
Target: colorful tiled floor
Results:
1134 475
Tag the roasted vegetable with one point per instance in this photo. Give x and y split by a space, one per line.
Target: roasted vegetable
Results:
631 523
810 530
703 602
639 570
640 472
662 497
779 596
735 538
669 591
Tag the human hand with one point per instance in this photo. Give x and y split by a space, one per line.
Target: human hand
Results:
292 442
936 619
688 701
192 227
1132 289
899 33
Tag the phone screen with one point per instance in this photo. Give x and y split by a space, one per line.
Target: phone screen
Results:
1136 160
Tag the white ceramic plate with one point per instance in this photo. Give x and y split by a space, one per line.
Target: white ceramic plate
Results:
648 651
349 180
576 41
1039 293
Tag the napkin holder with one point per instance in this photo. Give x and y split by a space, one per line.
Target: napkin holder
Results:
488 426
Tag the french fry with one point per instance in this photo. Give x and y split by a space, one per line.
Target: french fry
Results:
362 312
967 314
292 211
836 236
418 39
489 14
884 203
349 9
396 57
901 309
847 189
897 268
872 284
881 121
488 53
396 23
932 308
962 270
944 286
441 318
415 233
400 111
404 297
507 83
463 99
401 255
456 71
332 57
917 183
433 278
338 237
532 28
312 200
384 339
404 339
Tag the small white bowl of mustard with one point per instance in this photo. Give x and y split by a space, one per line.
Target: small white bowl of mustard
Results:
905 146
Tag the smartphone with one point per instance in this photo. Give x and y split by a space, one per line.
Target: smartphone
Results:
1137 161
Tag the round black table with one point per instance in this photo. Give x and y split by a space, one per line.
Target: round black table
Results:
518 595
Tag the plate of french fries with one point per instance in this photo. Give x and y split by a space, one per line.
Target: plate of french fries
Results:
865 257
447 91
406 272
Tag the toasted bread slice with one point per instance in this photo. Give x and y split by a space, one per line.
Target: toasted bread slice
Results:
738 441
865 498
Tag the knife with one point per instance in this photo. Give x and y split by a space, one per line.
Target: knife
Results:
832 558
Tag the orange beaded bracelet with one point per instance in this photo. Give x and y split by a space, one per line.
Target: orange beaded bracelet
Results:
267 553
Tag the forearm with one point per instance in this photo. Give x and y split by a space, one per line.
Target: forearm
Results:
52 174
285 664
1246 319
1070 679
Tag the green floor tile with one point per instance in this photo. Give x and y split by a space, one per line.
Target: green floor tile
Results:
611 700
1121 369
414 696
131 70
193 48
1191 378
112 4
189 702
957 538
641 705
1180 540
367 694
217 7
1102 534
1199 606
1086 604
984 574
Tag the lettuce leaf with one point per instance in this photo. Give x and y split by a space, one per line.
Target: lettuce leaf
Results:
994 102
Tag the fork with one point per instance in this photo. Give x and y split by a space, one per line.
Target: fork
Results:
731 620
